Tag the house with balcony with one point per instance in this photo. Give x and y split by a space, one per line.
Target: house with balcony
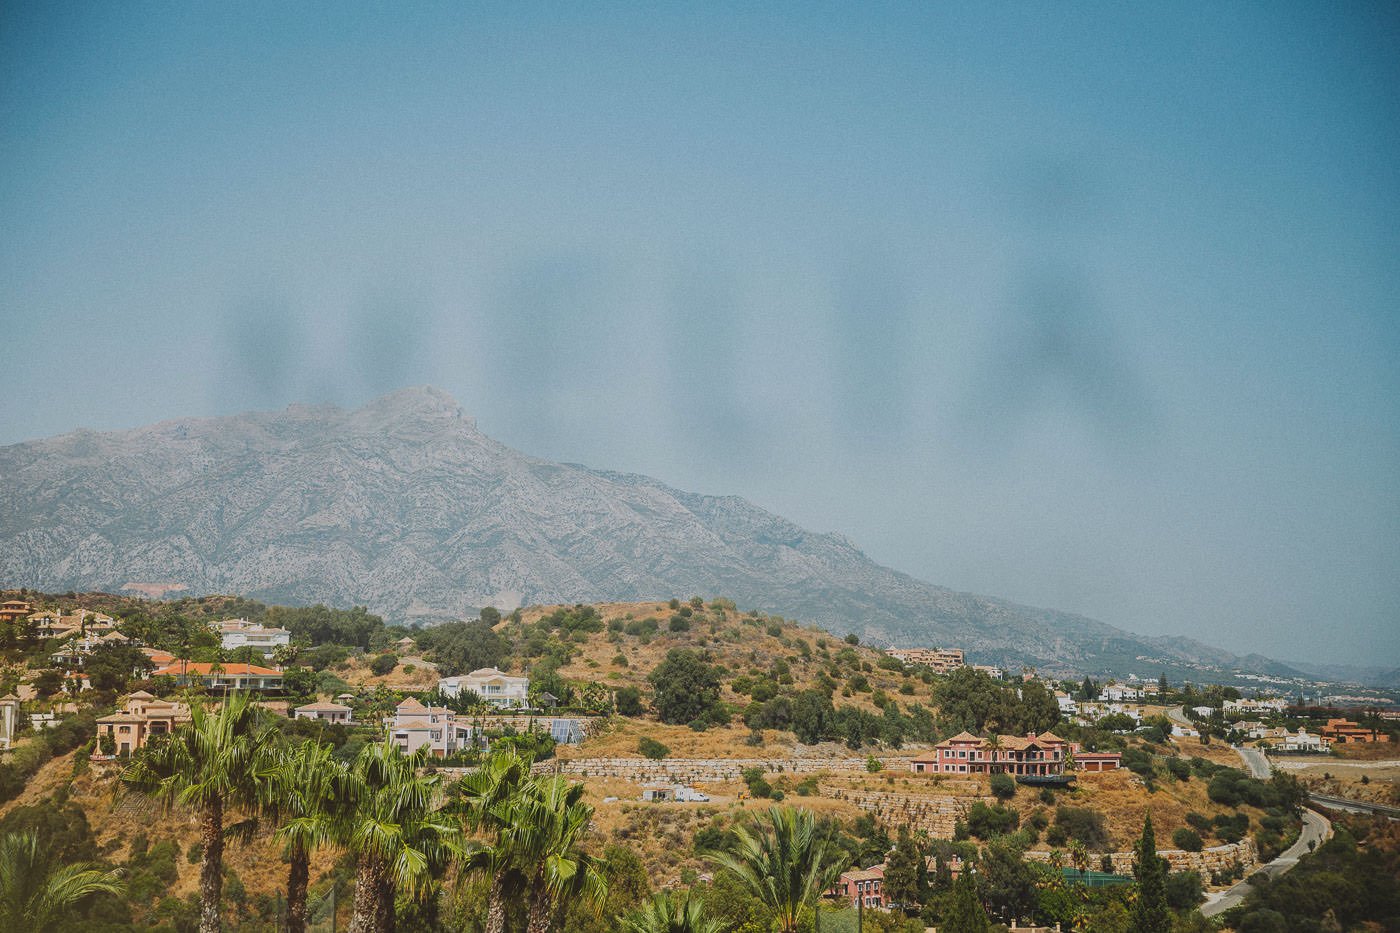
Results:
12 610
142 718
1121 693
437 727
495 687
965 753
240 633
1304 741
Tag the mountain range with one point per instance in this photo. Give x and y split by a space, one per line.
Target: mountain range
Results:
405 507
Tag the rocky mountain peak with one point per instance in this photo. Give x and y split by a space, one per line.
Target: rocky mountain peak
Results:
404 507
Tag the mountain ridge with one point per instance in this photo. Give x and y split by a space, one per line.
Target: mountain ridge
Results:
404 506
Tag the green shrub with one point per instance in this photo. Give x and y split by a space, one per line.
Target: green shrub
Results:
1003 786
1187 839
652 749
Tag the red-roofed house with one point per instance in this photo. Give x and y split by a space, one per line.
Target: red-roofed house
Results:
215 676
861 886
966 753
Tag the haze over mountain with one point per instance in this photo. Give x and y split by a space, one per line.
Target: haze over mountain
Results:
405 507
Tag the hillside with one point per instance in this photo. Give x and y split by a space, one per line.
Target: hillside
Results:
403 506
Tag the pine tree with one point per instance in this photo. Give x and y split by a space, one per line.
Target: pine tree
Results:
965 911
906 877
1150 913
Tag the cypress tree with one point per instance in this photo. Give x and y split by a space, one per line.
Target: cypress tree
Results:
1151 913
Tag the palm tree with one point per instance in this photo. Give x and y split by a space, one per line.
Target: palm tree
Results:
787 865
397 836
306 791
1079 857
488 799
36 894
666 913
550 825
213 763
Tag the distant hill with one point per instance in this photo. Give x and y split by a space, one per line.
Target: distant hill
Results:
403 506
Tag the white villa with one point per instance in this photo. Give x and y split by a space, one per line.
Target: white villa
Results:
325 712
240 633
1304 741
493 686
1118 693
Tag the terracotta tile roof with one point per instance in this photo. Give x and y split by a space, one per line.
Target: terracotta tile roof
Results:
205 668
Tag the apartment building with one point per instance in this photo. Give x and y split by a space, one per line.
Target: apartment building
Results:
240 633
942 660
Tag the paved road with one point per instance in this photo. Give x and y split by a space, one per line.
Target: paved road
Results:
1355 806
1256 762
1316 829
1177 714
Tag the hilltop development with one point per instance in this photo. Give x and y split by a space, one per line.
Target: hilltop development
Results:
944 794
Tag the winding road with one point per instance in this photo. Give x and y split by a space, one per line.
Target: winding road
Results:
1316 830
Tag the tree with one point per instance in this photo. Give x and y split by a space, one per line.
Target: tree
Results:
487 800
397 837
305 791
786 865
548 828
906 873
1150 913
672 913
965 913
211 764
628 701
111 667
812 714
36 894
1006 882
685 687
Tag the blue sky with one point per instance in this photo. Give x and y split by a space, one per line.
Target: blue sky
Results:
1090 307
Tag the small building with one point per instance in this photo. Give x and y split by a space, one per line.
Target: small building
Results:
325 712
1092 762
495 687
1068 705
861 887
658 793
1120 693
680 793
9 719
143 718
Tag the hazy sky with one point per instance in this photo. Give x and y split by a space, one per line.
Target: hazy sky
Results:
1088 307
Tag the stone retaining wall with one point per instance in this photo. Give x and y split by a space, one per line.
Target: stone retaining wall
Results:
692 770
934 814
1215 858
